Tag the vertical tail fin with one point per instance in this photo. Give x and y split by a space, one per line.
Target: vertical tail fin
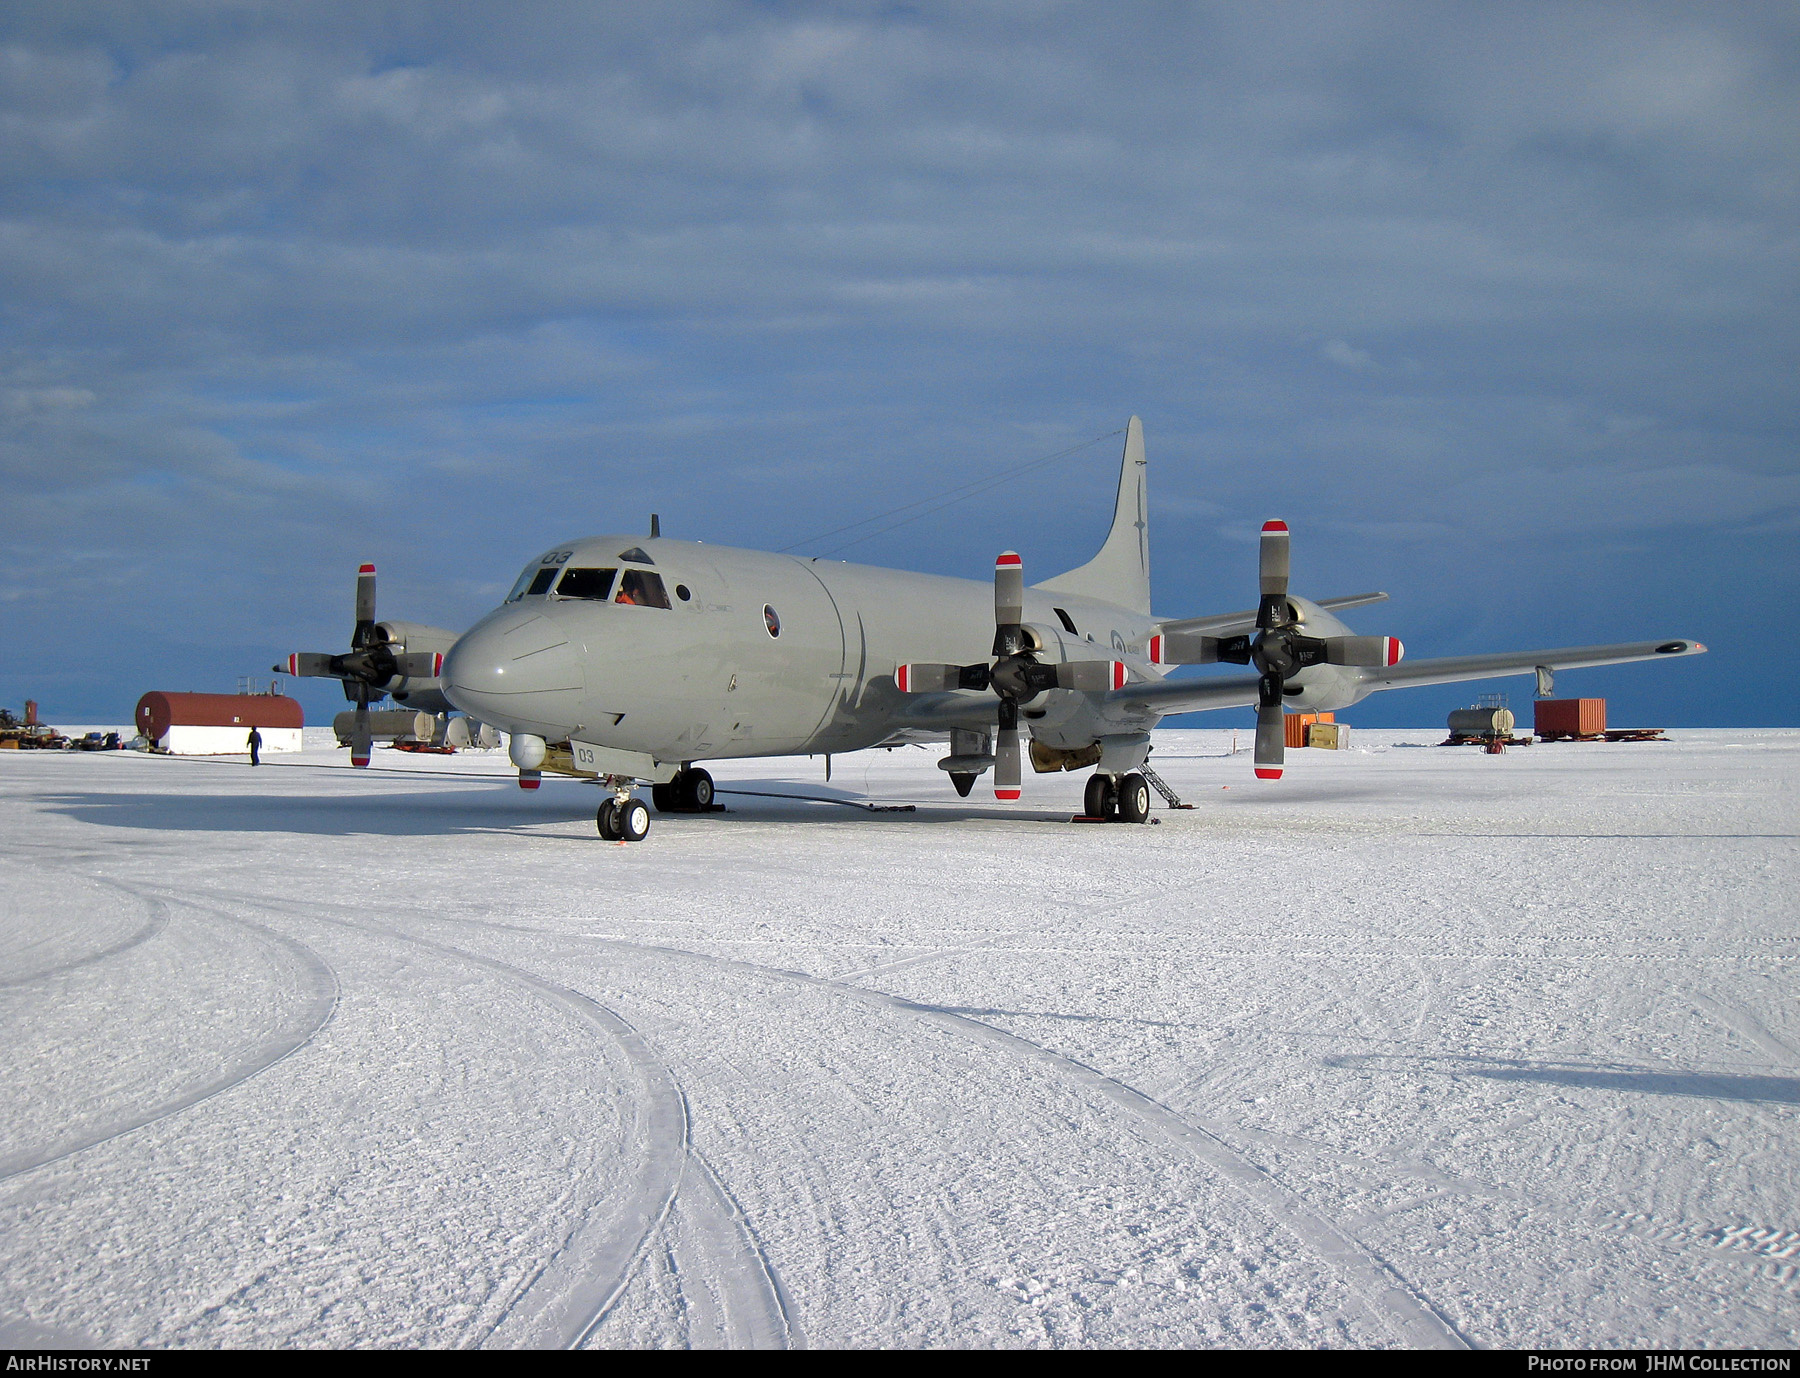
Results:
1120 573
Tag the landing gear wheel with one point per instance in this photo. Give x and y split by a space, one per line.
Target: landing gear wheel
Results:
606 819
695 790
632 819
963 781
665 797
1134 798
1101 797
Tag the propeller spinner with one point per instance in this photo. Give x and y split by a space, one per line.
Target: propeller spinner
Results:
1016 675
372 664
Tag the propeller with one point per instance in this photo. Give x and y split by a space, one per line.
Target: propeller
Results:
1279 650
1016 675
373 663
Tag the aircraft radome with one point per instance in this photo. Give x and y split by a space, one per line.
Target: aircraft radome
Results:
626 659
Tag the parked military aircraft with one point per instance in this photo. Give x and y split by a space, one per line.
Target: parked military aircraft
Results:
624 659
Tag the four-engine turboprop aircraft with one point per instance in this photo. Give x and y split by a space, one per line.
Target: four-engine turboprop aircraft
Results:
624 659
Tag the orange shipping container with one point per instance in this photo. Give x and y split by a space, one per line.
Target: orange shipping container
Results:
1296 725
1568 717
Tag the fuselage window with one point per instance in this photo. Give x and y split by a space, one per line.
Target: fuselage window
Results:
541 581
642 588
586 583
636 554
771 621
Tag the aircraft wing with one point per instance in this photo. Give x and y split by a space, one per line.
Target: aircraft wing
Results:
1450 669
1239 691
941 712
1187 695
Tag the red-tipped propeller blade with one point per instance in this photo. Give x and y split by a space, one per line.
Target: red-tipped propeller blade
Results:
1272 559
362 740
1271 741
1009 589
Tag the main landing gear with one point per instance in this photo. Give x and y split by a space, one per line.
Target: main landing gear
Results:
1122 799
691 791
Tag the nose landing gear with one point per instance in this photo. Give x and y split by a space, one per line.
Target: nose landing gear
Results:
623 818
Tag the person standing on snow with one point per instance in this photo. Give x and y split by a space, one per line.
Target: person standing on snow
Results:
255 744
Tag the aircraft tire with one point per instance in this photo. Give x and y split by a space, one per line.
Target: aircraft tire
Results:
963 781
1101 798
606 820
632 819
1134 798
667 798
696 788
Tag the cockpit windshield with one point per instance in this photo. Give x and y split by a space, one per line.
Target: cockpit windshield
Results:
585 583
536 579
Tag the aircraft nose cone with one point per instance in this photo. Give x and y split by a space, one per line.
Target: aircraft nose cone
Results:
518 670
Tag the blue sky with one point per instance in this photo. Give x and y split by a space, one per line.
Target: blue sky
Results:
1494 304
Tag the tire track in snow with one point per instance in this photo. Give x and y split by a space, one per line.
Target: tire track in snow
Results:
159 920
316 1012
1746 1025
1393 1303
575 1290
711 1235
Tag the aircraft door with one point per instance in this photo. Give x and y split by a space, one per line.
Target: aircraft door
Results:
790 666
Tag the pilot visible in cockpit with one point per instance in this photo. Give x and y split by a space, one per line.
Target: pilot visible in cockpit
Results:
640 588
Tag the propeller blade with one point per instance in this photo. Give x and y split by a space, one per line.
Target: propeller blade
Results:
1272 569
419 664
1271 741
305 664
365 594
1091 676
362 740
1006 764
927 677
1272 559
1373 651
1006 752
1009 590
1184 648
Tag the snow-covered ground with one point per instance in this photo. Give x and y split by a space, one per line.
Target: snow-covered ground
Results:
1416 1047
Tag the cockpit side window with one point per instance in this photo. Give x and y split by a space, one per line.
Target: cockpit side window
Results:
521 584
642 588
541 581
586 583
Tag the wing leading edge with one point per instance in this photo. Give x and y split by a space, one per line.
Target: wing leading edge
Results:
1237 691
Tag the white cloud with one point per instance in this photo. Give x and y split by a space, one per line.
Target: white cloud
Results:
1346 356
